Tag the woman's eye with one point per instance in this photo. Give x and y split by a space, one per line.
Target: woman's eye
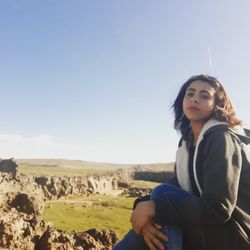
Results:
205 97
190 94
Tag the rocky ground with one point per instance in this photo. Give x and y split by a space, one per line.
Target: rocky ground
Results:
22 201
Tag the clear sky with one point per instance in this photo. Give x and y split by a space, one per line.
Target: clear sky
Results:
94 80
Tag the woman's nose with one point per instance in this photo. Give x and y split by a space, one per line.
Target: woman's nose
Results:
194 99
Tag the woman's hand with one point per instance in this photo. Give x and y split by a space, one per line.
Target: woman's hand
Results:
153 236
143 213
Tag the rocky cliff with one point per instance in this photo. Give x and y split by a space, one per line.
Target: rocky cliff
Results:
56 187
21 227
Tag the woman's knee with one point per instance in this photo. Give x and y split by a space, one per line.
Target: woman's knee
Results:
169 190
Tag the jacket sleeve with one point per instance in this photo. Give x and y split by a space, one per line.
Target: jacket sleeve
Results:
219 162
173 180
138 200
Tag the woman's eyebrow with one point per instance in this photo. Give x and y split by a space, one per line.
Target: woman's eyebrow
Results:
190 89
206 91
201 91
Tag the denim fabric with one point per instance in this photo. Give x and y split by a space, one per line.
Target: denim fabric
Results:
174 233
132 241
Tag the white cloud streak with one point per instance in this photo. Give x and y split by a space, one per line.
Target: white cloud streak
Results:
210 62
42 146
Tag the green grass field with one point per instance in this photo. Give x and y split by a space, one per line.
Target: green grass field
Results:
60 171
77 213
96 211
143 184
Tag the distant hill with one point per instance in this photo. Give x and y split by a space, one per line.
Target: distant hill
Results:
79 164
61 167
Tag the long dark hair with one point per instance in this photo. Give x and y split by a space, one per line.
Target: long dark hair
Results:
223 110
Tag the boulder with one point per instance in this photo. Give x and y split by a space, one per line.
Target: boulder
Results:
91 239
8 166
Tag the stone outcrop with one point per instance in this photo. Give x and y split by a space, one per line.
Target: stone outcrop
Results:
57 187
8 166
92 239
21 227
21 205
138 192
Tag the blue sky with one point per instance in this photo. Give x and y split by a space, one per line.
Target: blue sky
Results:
94 80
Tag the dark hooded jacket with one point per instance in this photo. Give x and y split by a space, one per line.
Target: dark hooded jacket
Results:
218 216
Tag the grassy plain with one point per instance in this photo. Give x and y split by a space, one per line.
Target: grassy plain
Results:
96 211
143 184
60 171
79 213
63 167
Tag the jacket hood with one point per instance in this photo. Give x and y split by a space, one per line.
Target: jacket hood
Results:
243 134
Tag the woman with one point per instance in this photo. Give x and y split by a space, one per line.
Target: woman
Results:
207 205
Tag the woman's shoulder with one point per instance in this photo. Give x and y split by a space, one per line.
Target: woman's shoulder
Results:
238 134
221 135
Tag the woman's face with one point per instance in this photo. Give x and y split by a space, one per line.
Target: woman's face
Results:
199 101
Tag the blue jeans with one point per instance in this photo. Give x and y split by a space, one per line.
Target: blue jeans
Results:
133 241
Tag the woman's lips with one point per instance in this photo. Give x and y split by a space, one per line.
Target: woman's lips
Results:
193 109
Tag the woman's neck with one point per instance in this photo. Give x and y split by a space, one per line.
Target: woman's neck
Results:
196 129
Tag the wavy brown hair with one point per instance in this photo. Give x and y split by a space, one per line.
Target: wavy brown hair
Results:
223 110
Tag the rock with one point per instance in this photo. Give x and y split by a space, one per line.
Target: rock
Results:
57 187
22 203
90 239
8 166
138 192
106 238
21 227
25 204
